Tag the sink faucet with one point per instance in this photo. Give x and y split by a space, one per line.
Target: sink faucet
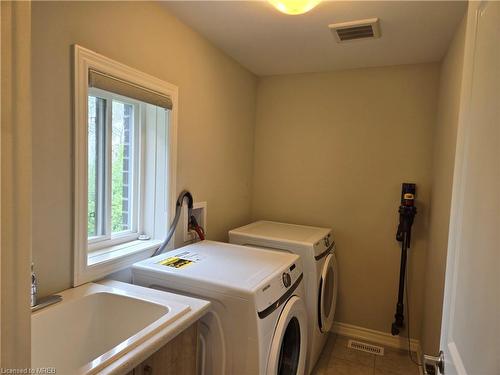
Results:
34 287
36 303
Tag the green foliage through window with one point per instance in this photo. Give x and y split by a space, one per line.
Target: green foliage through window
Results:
118 127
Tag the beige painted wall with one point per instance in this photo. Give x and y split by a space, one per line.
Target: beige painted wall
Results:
16 171
445 136
332 149
216 116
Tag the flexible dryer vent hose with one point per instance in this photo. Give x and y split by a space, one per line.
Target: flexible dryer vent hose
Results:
178 206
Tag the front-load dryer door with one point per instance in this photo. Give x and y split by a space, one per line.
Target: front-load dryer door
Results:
327 293
288 349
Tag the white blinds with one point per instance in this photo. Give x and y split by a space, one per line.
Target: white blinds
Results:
119 86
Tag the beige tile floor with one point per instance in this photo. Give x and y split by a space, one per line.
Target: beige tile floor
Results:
337 359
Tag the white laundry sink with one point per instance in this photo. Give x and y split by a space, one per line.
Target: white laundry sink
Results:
96 324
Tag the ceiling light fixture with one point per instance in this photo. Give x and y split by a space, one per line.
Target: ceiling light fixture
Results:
294 7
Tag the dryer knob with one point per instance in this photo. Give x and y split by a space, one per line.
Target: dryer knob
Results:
287 280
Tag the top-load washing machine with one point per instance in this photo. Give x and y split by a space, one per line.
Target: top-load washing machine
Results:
316 248
258 320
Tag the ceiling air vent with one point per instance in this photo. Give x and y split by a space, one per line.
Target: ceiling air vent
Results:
362 29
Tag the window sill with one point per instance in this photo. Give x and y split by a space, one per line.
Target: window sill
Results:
112 253
103 262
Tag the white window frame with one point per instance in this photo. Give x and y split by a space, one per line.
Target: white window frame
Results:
120 254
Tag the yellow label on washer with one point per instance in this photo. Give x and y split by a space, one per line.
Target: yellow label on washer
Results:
175 262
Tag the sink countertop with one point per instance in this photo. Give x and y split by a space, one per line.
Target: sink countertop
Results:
140 353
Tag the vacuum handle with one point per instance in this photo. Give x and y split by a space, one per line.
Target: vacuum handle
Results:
407 212
408 194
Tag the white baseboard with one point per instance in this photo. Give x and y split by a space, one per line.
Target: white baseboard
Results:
420 358
377 337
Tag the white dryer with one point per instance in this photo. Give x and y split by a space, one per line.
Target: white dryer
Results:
316 248
257 322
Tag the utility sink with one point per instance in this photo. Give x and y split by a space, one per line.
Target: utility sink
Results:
95 325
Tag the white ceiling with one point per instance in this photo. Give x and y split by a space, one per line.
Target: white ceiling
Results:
268 42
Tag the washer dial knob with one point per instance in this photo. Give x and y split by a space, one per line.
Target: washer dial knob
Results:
287 280
326 240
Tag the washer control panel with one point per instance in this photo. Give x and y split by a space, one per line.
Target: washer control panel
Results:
279 285
324 244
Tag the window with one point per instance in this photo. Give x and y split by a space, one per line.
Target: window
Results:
125 143
114 154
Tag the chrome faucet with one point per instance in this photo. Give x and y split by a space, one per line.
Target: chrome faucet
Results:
34 287
36 303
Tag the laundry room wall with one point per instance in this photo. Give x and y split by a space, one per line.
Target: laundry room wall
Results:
331 150
445 138
216 116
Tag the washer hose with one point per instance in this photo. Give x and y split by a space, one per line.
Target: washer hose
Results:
178 207
193 224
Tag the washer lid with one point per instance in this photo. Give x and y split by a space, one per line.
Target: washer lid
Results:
222 266
289 233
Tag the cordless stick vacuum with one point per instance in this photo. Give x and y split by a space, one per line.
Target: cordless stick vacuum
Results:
407 212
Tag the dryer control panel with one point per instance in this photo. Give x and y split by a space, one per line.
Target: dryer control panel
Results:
323 246
279 288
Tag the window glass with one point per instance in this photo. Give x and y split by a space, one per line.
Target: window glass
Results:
96 165
121 166
111 202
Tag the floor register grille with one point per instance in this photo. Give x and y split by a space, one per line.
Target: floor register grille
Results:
365 347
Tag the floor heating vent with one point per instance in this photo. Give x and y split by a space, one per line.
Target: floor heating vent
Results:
364 347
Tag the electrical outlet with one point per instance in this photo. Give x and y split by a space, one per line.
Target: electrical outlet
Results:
199 211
